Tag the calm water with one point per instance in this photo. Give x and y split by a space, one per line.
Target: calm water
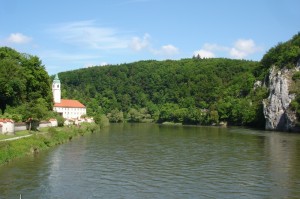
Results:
152 161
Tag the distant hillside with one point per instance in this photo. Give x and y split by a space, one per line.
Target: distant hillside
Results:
191 91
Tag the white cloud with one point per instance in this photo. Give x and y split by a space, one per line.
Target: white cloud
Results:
87 34
166 50
241 49
103 63
138 44
89 65
204 53
18 38
169 50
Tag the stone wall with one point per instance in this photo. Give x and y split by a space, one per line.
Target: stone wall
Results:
20 126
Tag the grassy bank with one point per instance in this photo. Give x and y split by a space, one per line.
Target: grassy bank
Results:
17 134
22 133
10 150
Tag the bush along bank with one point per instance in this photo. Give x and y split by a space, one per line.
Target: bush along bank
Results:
10 150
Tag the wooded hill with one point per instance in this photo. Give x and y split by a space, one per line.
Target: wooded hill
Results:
190 91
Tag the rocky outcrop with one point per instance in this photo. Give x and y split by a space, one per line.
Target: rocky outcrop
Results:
276 107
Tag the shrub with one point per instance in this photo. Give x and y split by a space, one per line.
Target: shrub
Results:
296 76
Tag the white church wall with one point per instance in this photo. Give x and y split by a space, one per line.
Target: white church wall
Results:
66 112
70 113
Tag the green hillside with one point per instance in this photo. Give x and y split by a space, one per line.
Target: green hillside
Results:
190 91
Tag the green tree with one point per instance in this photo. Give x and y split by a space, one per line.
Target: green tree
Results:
12 83
115 116
36 109
214 117
167 112
283 54
134 115
23 79
101 120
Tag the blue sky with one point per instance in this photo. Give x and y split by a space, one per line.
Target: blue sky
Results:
72 34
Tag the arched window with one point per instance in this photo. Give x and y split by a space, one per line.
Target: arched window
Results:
57 85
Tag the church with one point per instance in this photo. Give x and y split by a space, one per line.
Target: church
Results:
69 109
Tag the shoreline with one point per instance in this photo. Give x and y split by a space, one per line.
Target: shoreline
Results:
22 146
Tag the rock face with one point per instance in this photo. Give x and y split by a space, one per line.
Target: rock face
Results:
276 107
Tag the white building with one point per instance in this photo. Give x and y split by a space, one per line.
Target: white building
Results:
56 89
7 126
53 122
69 109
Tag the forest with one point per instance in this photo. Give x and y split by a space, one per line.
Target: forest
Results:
188 91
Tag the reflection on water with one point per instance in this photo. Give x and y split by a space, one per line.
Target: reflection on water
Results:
153 161
284 163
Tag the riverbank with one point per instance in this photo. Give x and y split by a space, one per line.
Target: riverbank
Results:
22 134
12 149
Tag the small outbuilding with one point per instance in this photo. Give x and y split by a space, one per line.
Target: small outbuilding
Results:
53 122
7 126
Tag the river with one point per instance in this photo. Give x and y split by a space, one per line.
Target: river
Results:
155 161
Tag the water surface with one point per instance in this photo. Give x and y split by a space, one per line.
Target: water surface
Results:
153 161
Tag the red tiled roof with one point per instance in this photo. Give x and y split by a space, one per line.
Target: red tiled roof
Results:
6 120
69 104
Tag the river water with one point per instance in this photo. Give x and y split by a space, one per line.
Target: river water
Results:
154 161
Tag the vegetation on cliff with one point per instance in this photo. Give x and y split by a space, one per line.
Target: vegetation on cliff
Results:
284 54
295 104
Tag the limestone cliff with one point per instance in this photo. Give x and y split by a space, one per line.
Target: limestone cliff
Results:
277 113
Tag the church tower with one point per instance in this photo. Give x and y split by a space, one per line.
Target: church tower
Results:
56 90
